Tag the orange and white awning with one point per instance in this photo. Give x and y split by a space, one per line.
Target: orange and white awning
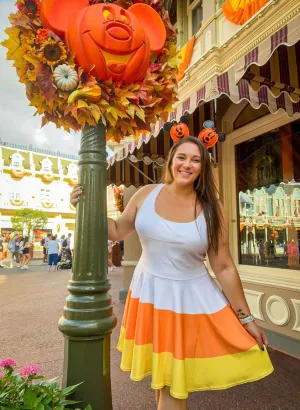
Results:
240 11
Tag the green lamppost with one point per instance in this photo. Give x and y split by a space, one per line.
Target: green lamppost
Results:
88 315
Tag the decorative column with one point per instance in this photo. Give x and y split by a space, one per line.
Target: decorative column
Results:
88 315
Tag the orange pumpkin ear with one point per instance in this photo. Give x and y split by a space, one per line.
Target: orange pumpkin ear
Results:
152 25
57 14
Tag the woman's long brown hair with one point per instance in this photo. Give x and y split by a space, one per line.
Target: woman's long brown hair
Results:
206 191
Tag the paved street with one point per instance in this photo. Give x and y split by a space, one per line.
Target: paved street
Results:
31 303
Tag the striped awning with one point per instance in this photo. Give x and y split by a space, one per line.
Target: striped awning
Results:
141 165
237 84
288 35
276 73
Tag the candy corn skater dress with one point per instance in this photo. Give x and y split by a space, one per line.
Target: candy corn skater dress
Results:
178 326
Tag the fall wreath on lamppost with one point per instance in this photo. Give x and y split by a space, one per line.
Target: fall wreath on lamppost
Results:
75 75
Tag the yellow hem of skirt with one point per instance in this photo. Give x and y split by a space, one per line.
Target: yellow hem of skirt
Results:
252 359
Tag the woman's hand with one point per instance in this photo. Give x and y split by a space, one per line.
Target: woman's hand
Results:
259 335
75 194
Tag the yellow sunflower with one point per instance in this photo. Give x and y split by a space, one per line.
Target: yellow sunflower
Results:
52 52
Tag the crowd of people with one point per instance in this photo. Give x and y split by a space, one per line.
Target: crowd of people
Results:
54 249
16 248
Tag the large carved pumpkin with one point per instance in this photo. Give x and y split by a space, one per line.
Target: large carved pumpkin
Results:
107 40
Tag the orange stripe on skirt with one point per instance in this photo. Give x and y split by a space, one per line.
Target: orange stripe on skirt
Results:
185 335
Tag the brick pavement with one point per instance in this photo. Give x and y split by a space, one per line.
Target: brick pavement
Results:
31 303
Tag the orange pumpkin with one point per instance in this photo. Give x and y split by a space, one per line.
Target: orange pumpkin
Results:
209 137
179 131
108 41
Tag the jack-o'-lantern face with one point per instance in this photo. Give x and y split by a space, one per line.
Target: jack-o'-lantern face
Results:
179 131
108 41
209 137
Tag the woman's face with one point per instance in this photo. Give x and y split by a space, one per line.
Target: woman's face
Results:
186 165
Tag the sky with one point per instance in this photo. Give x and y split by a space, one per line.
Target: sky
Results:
17 123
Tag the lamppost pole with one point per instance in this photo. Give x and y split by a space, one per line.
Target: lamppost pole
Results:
88 317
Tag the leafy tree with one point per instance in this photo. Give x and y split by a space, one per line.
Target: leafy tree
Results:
27 219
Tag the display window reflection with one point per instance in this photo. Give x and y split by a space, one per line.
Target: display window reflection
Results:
268 198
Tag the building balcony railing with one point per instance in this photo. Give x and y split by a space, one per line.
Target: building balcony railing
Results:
47 207
38 169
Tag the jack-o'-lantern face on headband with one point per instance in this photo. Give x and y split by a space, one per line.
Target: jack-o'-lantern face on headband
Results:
178 130
209 136
111 42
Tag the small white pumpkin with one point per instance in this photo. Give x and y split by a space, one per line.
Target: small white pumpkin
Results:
65 77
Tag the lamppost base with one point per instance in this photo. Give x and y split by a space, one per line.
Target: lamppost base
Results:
90 367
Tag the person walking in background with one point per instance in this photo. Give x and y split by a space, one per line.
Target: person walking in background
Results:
47 239
62 241
21 247
68 243
44 242
14 247
52 250
26 254
1 251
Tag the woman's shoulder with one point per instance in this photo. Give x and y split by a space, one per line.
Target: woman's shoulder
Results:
143 193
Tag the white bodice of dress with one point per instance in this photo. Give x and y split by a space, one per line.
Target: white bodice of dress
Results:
170 249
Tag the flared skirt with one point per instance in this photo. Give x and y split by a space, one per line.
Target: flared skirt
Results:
186 336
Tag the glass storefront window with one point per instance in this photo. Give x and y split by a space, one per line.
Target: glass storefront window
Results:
268 198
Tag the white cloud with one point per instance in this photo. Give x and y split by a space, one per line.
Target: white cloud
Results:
40 136
66 137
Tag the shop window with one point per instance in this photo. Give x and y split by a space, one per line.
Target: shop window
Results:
14 197
195 15
46 165
17 160
45 195
268 188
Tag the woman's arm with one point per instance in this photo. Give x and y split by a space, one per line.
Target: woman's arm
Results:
229 279
124 226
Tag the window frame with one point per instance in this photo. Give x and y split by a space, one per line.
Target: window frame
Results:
189 11
287 278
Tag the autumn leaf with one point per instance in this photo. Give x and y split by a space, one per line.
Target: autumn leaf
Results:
45 82
140 113
131 110
82 104
95 111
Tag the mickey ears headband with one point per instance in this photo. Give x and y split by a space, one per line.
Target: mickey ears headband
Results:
208 135
178 130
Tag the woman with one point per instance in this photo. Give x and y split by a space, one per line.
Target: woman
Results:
178 326
21 248
25 253
53 249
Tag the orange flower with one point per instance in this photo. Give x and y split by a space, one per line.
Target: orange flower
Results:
42 35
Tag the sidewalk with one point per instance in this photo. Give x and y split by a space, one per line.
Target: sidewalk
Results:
31 303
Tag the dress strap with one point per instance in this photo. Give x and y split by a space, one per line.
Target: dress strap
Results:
149 203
